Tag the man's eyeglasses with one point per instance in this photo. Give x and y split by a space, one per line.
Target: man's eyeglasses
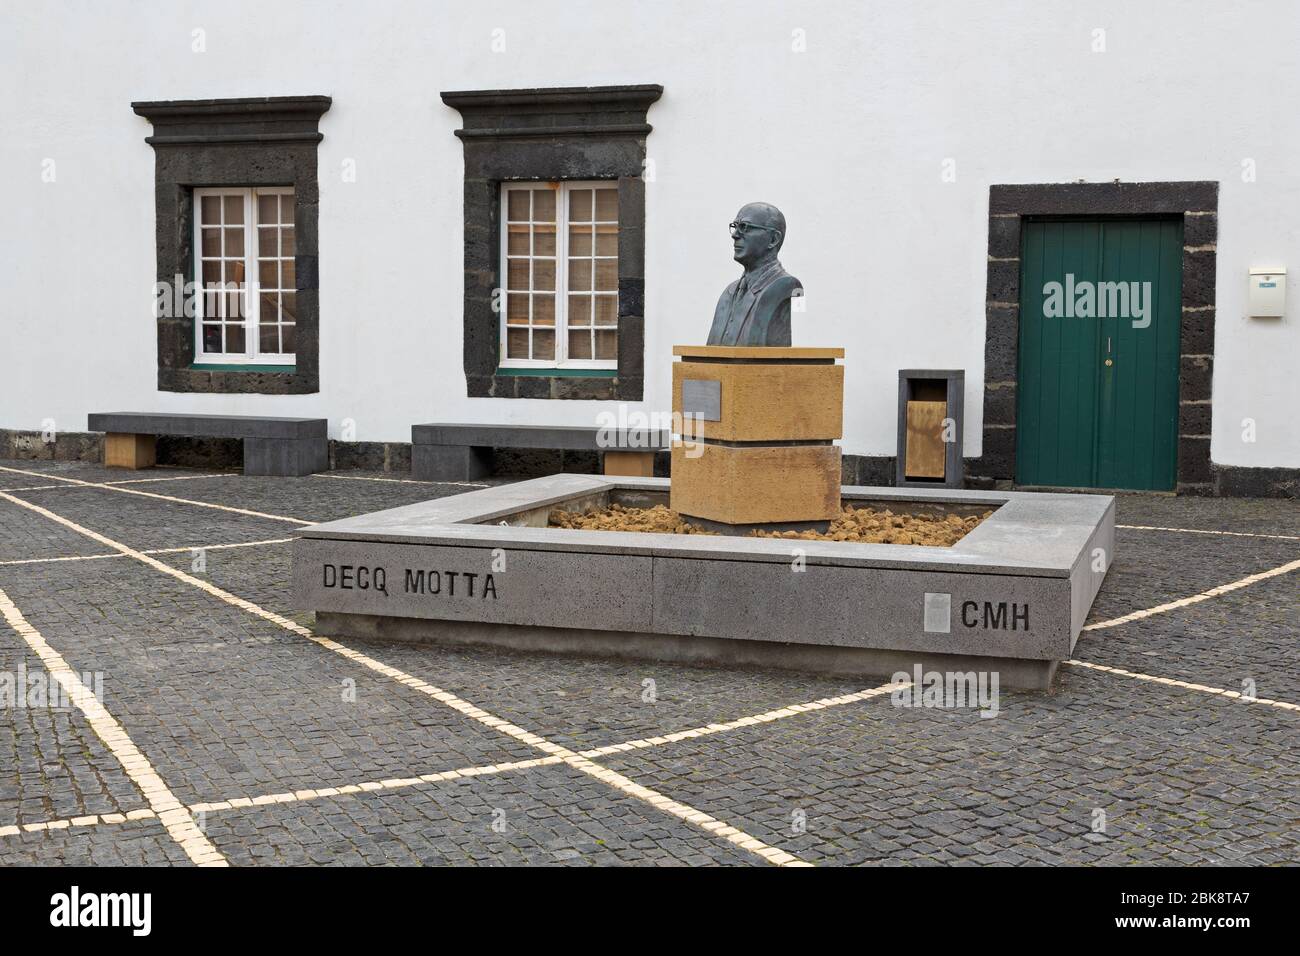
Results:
742 227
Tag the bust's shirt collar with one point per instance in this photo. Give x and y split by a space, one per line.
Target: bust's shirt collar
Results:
763 275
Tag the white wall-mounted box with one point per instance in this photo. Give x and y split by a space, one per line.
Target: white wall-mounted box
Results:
1267 298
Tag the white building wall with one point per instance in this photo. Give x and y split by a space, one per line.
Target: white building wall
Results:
848 138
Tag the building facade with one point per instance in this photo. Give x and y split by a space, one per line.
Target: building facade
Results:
404 212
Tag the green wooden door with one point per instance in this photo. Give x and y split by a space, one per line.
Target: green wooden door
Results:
1100 303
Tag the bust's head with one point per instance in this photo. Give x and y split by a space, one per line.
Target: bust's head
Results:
757 233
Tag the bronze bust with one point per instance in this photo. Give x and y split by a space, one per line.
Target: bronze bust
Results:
755 309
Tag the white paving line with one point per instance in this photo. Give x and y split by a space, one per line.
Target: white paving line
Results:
763 718
125 481
75 557
1195 598
1235 534
90 820
1186 685
575 760
180 550
171 812
150 494
141 481
370 786
401 481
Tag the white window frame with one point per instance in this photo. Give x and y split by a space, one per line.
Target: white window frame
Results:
252 297
561 361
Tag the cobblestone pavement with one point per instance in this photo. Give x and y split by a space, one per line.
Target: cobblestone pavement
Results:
229 734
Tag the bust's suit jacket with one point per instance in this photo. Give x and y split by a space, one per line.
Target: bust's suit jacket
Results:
758 315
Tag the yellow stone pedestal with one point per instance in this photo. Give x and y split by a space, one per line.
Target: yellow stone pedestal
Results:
763 451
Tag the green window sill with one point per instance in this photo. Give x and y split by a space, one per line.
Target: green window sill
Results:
561 372
206 367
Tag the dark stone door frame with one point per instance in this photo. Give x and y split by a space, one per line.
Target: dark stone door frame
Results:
1198 204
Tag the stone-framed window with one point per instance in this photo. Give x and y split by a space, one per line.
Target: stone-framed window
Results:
559 243
552 136
1198 204
250 147
244 254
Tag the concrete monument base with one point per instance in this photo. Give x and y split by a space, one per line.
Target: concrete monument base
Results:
1017 588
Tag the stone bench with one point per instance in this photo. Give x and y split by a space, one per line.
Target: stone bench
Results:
442 452
272 446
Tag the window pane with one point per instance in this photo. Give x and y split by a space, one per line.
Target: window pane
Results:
268 339
580 310
580 205
544 240
518 274
543 310
212 271
579 240
607 205
288 339
210 210
267 244
234 242
234 210
268 273
288 277
235 271
517 241
288 306
544 274
606 309
211 338
517 343
286 214
580 344
287 243
543 205
235 339
606 345
269 312
234 305
517 205
607 275
516 309
211 242
211 302
607 240
268 209
580 275
543 344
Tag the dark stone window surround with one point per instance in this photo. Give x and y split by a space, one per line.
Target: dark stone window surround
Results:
547 135
260 141
1198 204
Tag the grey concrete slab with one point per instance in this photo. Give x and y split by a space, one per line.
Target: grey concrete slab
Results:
1019 586
206 426
1028 542
450 462
538 588
988 614
286 456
